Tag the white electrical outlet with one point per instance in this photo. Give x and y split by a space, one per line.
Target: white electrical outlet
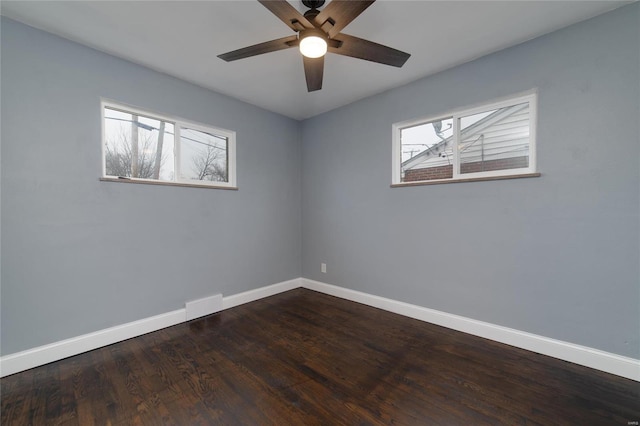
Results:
323 268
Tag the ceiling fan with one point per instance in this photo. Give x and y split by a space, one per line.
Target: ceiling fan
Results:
319 33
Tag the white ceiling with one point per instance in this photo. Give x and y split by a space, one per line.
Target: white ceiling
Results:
183 38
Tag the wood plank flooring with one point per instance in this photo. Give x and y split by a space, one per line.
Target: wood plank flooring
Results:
304 358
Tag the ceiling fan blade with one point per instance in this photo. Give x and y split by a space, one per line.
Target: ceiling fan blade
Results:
369 51
339 14
259 49
313 70
287 14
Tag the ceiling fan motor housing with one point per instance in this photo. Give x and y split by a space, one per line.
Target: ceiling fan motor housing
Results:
313 4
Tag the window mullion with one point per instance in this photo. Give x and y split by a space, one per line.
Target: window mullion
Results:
176 150
456 143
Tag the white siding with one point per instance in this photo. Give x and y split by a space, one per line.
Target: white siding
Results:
503 134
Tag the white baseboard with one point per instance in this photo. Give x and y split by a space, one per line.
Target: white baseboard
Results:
260 293
30 358
577 354
20 361
202 307
582 355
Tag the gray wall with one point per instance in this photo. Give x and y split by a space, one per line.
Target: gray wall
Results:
79 255
557 255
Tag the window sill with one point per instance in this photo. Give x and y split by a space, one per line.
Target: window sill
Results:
162 183
479 179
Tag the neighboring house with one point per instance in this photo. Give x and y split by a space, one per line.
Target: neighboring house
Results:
497 141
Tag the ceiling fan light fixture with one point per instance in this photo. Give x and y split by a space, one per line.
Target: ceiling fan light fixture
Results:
317 30
312 44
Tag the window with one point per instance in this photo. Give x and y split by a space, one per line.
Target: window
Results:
147 148
494 140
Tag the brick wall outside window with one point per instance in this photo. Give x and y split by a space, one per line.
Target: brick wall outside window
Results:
446 172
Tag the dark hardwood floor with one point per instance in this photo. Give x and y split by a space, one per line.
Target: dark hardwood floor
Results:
304 358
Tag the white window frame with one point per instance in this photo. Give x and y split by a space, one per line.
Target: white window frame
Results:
178 124
531 171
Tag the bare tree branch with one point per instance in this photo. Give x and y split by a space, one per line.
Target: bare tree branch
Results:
121 158
211 164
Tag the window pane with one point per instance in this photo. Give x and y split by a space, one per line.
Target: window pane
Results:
203 156
427 151
495 140
137 146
